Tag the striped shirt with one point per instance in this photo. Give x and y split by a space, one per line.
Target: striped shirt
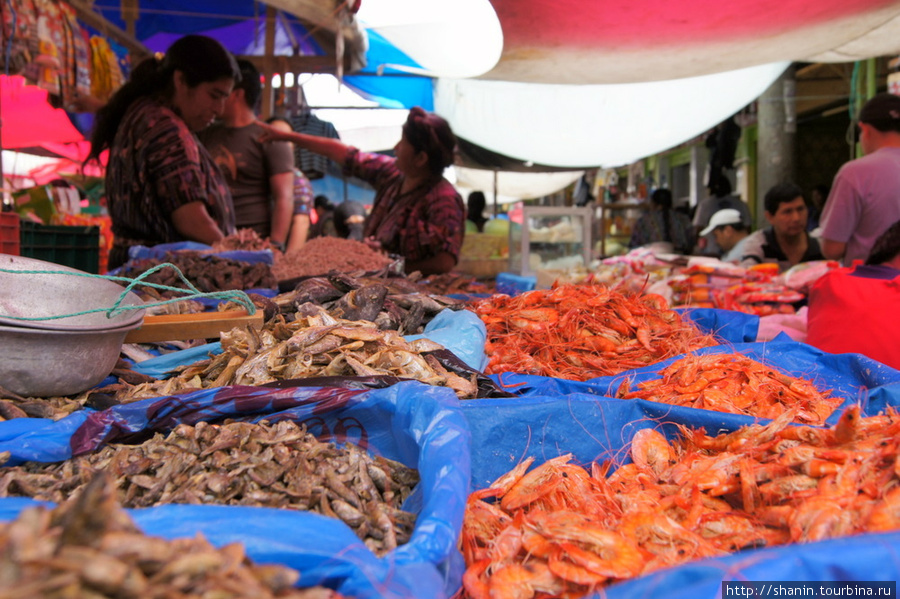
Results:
417 224
156 165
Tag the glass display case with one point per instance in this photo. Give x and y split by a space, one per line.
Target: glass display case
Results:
615 221
551 237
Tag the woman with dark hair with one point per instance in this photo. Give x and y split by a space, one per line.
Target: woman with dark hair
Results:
663 224
161 184
417 213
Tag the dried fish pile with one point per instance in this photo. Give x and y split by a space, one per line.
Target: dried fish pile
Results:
324 254
390 302
736 384
311 346
454 282
89 547
238 463
14 406
207 272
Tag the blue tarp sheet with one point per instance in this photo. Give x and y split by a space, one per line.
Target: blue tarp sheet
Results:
505 431
854 377
462 446
416 424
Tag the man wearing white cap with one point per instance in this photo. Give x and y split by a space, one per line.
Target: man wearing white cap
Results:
730 232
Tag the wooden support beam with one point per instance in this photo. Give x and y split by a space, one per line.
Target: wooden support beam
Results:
268 102
130 12
84 12
295 64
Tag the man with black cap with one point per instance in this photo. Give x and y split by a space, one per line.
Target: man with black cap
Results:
865 196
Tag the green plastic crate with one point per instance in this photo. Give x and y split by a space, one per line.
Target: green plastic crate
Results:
74 246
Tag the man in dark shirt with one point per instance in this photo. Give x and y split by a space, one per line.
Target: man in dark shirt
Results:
785 240
260 175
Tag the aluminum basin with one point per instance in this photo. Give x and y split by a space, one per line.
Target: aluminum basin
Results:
46 363
44 295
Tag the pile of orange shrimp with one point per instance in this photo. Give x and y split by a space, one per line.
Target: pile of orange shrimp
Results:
734 383
561 530
578 332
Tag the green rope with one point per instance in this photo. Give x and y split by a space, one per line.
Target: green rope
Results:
234 295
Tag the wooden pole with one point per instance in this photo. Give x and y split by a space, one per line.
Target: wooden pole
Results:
268 104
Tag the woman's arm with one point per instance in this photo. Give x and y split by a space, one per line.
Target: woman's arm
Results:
282 186
328 147
435 265
193 221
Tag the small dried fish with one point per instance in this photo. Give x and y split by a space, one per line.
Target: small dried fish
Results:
89 547
239 463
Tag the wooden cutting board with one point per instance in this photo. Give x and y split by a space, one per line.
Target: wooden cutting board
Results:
180 327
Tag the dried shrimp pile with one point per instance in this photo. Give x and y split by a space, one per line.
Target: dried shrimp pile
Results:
737 384
324 254
246 240
90 547
391 302
561 530
237 463
578 332
311 346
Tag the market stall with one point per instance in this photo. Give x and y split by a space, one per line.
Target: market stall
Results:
621 428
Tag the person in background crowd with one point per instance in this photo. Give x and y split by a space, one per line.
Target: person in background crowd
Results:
663 224
475 205
350 220
260 175
865 195
417 213
730 232
303 197
161 184
866 296
720 197
785 240
323 221
817 197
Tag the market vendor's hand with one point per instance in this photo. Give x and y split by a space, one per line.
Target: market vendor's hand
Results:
373 244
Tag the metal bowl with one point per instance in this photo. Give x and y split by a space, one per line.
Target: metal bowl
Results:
46 363
31 295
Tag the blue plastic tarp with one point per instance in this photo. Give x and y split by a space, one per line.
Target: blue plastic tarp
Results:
504 432
854 377
416 424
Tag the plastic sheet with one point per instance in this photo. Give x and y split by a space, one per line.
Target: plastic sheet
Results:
508 431
416 424
158 252
854 377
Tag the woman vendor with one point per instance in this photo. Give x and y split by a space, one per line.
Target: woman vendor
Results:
161 184
417 213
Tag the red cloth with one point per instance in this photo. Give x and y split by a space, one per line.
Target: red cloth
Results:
854 310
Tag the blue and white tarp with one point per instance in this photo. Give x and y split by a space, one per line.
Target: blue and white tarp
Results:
416 424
